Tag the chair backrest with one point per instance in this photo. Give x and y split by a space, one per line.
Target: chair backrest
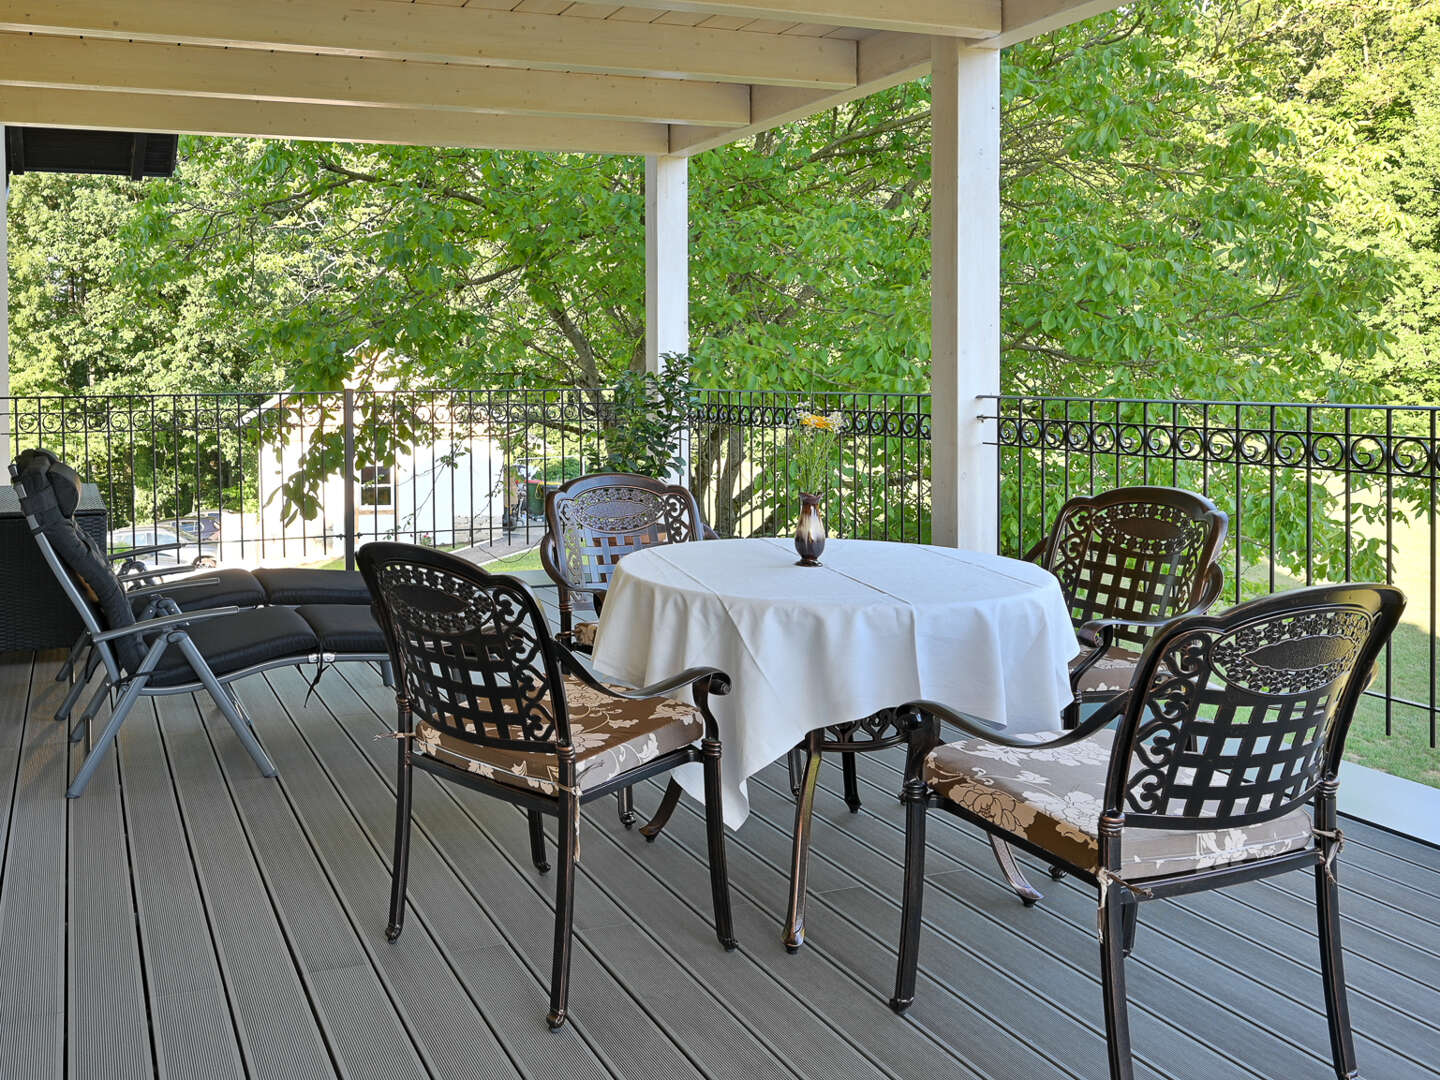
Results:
49 491
470 649
1134 552
596 520
1237 717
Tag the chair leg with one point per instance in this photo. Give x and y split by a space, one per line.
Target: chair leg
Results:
795 765
73 658
81 729
1332 972
112 728
912 904
228 708
852 782
564 915
400 864
800 846
651 829
537 840
715 843
77 688
1028 894
625 805
1112 982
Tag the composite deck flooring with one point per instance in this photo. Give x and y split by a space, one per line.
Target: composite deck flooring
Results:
187 918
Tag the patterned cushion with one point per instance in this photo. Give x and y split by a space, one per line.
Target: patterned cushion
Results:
583 634
1110 674
611 736
1053 797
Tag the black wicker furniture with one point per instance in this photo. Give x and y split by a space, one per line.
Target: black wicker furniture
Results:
489 699
1224 769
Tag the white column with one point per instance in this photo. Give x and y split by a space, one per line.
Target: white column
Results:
667 258
4 309
965 291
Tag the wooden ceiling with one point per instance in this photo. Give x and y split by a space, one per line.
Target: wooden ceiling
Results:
648 77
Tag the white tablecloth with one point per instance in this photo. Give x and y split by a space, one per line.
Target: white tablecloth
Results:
877 625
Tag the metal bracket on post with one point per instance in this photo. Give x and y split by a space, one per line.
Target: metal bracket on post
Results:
349 467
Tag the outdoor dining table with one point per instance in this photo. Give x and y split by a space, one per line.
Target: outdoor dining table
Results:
807 649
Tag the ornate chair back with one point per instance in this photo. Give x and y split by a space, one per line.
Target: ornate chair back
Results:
1135 553
471 653
597 520
1238 718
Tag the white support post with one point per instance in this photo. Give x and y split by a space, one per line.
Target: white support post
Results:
5 408
965 292
667 258
667 268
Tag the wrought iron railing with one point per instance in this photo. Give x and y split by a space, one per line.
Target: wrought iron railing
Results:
1315 493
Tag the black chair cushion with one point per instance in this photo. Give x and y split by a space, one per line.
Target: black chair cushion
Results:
49 487
233 588
233 642
292 586
344 628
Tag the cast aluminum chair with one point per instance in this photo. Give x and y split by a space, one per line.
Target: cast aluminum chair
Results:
594 521
1224 769
489 699
176 652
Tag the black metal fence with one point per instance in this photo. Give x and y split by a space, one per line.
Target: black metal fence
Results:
1315 493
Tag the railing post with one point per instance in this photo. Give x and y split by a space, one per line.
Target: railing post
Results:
350 534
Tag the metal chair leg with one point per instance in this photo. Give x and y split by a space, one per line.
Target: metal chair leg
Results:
625 805
652 828
107 736
913 901
715 844
800 846
852 781
228 708
537 840
73 658
564 915
1112 981
1028 894
1332 972
77 688
92 709
795 766
400 866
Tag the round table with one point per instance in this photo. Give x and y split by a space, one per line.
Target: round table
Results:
877 625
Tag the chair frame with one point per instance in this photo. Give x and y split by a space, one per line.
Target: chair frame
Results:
557 660
170 630
1119 900
553 560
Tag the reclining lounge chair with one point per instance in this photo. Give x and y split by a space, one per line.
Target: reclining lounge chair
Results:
178 651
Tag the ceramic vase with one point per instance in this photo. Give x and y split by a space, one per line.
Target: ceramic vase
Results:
810 536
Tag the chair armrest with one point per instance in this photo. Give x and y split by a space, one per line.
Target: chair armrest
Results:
719 681
547 560
1033 555
151 549
983 729
165 622
157 572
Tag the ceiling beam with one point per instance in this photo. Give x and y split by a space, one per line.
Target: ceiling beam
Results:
885 60
395 31
948 18
340 123
187 70
1025 19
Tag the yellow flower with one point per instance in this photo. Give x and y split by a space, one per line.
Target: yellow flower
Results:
820 423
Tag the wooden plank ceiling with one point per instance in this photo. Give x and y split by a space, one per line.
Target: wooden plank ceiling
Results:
648 77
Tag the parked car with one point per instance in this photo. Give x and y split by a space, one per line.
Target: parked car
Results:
203 525
176 549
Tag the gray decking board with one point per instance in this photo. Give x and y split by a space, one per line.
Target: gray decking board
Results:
256 945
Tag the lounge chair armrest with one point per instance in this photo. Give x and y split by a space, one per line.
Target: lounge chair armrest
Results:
150 549
984 729
165 622
156 572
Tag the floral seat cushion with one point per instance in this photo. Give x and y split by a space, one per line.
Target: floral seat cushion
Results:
1110 674
611 736
1053 797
